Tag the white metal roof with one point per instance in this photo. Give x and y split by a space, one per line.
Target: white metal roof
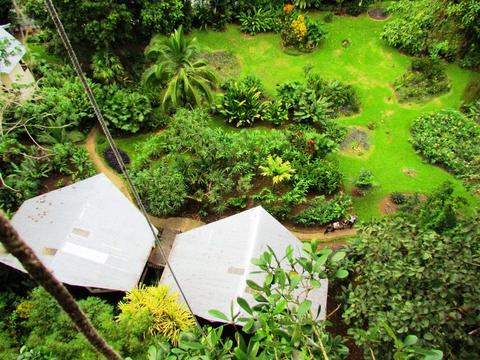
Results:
88 234
15 47
213 262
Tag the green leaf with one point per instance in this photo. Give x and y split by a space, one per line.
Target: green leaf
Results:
410 340
254 286
433 355
244 305
304 307
315 283
341 274
294 281
239 354
218 314
338 256
280 307
320 263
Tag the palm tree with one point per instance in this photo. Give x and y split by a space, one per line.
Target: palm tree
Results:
178 65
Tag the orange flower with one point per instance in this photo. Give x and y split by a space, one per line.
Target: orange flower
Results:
288 8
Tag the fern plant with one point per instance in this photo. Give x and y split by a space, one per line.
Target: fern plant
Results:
277 169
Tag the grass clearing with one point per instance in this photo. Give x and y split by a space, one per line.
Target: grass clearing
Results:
371 67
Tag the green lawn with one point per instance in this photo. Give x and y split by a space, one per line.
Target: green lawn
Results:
371 67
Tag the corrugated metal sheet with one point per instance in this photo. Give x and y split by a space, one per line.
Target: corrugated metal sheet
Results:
14 47
88 234
212 263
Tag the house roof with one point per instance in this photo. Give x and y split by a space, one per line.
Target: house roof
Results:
15 49
213 262
88 234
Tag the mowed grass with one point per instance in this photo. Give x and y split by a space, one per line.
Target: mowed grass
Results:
371 67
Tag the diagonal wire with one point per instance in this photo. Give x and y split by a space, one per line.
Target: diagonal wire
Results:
73 58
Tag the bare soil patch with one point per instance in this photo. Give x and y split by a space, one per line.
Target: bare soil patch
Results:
356 142
409 172
387 206
55 182
378 14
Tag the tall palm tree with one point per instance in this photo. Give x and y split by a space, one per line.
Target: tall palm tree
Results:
178 66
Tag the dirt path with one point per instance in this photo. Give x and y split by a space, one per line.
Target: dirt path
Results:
100 164
185 224
305 235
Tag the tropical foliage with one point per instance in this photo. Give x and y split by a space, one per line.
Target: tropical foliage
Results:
429 291
450 139
437 28
187 79
166 315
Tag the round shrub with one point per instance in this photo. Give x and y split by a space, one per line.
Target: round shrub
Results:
162 188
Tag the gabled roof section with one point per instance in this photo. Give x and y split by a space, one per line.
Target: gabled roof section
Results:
15 51
213 262
88 234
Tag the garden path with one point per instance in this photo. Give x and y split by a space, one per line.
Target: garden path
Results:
100 164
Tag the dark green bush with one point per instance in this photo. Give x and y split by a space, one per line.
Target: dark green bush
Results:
429 279
163 189
450 139
161 17
424 78
398 198
322 175
365 180
342 97
125 110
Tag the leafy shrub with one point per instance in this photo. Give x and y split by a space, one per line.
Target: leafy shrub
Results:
107 68
312 109
315 33
241 104
109 155
322 175
435 28
398 198
342 97
365 180
472 110
277 169
322 212
61 102
167 317
424 78
123 109
450 139
163 188
328 18
429 291
356 8
50 331
258 20
275 112
161 17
